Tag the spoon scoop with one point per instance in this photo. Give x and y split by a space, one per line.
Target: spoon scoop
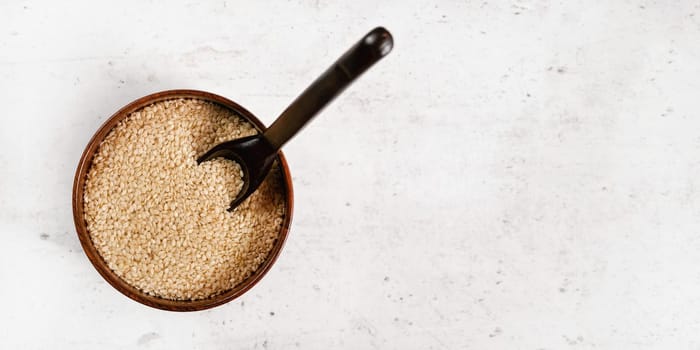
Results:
256 153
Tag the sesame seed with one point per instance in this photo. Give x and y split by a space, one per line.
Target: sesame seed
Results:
160 220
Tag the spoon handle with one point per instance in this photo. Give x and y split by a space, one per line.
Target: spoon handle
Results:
375 45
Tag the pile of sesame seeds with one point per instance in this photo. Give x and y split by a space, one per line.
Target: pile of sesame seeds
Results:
159 220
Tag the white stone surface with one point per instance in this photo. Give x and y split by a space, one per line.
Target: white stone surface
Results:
515 175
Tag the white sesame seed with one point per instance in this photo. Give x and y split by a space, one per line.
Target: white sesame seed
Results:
159 220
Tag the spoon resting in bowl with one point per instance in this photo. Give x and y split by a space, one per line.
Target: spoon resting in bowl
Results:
256 153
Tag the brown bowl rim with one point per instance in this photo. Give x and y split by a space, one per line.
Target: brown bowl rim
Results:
96 259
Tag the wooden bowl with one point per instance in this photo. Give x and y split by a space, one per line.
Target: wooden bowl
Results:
101 265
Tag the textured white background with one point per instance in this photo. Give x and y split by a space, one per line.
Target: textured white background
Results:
515 175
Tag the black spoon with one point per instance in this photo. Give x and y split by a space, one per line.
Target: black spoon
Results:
256 153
